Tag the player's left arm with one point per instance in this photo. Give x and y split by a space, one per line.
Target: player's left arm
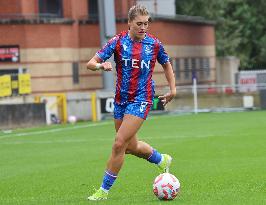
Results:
170 77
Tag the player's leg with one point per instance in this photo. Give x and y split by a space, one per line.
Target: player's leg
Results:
144 150
125 133
135 146
126 130
139 148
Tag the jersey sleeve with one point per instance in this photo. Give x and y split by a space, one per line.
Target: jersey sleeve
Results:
107 51
162 56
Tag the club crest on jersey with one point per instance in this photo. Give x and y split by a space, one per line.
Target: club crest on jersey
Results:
148 49
135 63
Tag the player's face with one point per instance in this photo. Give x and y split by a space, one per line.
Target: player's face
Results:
138 27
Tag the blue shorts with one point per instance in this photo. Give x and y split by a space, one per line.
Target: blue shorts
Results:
139 109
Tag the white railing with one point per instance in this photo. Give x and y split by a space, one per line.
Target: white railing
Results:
200 98
211 89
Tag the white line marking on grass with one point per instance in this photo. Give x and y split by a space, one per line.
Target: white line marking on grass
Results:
54 130
43 142
9 134
172 137
19 142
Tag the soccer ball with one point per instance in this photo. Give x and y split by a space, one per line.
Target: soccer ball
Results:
166 186
72 119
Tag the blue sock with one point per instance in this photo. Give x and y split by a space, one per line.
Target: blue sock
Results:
155 157
108 180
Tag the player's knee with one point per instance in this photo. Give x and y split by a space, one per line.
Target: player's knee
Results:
119 145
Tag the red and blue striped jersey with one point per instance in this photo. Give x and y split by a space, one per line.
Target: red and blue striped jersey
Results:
135 61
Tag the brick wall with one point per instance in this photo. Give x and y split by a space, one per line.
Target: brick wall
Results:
10 7
49 49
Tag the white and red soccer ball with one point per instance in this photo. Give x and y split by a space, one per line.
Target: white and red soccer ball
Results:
166 186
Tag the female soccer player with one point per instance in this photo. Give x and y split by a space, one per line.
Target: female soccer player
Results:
135 53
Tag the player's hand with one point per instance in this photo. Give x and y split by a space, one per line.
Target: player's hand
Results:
107 66
167 98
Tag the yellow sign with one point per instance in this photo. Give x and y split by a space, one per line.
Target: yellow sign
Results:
5 86
24 83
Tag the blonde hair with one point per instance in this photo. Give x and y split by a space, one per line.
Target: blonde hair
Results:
136 10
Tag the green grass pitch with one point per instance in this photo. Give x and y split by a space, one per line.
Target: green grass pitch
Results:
219 158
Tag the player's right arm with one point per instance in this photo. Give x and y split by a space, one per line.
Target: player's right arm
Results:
96 64
98 61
